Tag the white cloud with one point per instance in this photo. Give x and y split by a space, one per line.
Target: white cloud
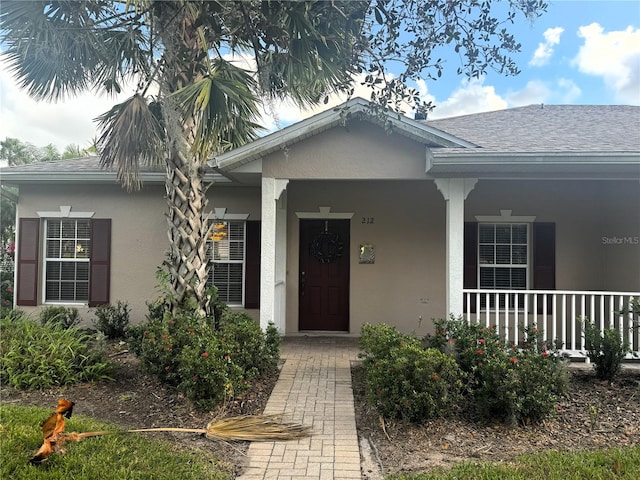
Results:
535 91
614 56
567 89
545 49
471 97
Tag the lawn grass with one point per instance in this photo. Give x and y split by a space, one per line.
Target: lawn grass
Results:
126 456
613 463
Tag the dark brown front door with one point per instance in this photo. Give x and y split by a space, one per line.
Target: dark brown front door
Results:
324 275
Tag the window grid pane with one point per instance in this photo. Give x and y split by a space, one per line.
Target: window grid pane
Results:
67 250
226 252
503 259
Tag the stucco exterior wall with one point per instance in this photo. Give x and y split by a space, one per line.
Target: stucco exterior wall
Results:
358 151
405 286
584 212
138 235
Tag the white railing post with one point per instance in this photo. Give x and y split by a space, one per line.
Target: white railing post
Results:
603 309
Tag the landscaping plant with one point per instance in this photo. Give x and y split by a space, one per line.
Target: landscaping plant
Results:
44 356
518 384
112 320
605 349
66 317
206 364
405 380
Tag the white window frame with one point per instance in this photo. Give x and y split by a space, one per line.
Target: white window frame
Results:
506 217
511 266
221 215
46 259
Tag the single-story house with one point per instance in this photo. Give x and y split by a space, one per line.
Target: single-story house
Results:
516 217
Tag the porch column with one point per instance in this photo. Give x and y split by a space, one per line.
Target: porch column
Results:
273 252
455 191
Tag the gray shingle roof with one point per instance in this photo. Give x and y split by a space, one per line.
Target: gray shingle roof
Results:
549 128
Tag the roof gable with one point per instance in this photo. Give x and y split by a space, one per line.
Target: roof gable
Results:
356 108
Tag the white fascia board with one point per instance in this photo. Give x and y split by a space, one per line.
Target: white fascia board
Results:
443 163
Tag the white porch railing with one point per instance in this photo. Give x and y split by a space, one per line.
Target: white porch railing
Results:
557 314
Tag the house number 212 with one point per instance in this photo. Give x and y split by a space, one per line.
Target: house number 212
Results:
367 220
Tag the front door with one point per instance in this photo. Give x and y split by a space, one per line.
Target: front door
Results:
324 275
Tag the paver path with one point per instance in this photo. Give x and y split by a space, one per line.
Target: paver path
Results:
314 388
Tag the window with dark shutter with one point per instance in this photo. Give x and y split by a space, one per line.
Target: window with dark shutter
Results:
497 255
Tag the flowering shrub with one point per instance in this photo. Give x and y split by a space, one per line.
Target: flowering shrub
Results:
6 289
207 374
403 379
206 364
517 384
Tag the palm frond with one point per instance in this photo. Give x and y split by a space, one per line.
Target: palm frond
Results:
58 49
132 136
319 54
222 107
256 428
249 428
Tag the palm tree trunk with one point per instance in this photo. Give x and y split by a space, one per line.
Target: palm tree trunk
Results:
187 266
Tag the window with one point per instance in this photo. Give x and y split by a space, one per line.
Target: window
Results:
67 256
227 255
503 255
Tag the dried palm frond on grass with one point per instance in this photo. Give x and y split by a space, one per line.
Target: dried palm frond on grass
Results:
250 428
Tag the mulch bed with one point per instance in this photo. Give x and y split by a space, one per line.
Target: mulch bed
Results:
594 415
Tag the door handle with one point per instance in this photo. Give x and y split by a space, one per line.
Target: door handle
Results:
303 283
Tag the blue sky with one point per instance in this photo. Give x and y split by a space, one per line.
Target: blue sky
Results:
579 52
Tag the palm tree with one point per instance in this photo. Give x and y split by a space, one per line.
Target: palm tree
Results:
194 101
203 102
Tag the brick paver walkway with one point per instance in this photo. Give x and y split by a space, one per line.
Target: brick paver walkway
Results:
314 389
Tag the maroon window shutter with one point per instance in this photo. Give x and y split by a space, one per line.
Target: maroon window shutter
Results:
252 266
28 247
470 275
100 266
544 256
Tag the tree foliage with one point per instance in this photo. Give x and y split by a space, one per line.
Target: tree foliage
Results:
202 68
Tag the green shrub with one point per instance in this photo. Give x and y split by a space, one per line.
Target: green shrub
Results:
6 289
9 313
207 375
59 315
414 384
112 320
377 341
173 348
516 384
43 356
403 379
605 349
245 343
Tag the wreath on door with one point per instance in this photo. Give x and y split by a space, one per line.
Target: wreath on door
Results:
326 247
